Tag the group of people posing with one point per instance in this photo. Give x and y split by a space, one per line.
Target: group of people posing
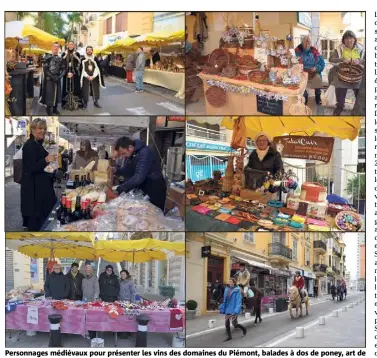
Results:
78 287
348 51
70 79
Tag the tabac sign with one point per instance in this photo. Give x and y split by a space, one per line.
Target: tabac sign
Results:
305 147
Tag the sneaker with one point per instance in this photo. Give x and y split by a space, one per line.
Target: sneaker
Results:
141 91
244 331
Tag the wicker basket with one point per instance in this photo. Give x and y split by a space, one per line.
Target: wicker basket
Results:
230 71
245 70
356 216
219 57
258 76
350 73
211 70
216 97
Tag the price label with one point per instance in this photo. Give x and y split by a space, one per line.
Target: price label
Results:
32 315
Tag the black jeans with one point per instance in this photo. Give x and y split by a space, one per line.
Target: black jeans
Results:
341 94
235 324
257 311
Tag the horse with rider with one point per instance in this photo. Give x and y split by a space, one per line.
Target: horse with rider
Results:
298 296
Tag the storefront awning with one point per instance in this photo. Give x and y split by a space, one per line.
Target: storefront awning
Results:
250 260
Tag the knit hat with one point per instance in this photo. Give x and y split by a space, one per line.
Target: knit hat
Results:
109 266
260 134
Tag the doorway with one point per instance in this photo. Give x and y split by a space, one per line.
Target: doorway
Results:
215 272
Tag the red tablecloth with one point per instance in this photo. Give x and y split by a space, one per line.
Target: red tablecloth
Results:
79 320
73 320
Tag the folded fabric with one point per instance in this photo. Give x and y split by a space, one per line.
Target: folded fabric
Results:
195 201
223 217
225 211
191 196
213 213
213 207
202 210
229 206
233 220
196 208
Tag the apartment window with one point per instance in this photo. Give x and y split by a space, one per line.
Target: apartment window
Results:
295 249
119 22
109 25
249 237
307 256
278 237
329 261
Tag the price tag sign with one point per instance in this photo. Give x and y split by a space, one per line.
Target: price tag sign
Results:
32 315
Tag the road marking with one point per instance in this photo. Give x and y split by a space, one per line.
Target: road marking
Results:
103 114
293 332
207 331
172 107
139 111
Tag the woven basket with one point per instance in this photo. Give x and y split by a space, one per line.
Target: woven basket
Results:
245 70
216 97
212 70
351 213
258 76
350 73
230 71
219 57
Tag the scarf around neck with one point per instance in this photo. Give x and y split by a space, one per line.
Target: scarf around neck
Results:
262 153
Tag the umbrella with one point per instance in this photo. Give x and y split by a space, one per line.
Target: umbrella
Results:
137 251
339 127
120 45
16 32
52 245
35 51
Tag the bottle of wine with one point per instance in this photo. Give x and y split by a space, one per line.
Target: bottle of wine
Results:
86 209
76 183
60 211
77 214
82 180
88 179
68 214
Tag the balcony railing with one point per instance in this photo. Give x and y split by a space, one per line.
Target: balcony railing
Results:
196 131
320 268
319 244
278 249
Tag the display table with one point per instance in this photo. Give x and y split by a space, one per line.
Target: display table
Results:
248 104
117 71
77 320
99 320
174 81
73 320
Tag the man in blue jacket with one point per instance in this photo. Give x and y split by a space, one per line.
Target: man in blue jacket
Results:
141 170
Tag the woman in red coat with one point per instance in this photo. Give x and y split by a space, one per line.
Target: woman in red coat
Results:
299 282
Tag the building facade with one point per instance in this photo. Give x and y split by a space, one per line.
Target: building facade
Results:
271 258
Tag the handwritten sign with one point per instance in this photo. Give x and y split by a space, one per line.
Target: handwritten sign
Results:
32 315
305 147
269 106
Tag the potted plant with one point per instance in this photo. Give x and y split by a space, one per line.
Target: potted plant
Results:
357 190
191 306
167 291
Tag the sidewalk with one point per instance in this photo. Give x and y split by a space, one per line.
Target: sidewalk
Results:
345 331
199 325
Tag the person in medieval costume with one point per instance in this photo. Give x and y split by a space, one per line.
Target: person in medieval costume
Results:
71 98
53 71
91 78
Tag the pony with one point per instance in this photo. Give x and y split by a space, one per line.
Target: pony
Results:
295 301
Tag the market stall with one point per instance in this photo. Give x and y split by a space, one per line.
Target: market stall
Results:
249 199
26 312
85 204
24 37
169 72
253 74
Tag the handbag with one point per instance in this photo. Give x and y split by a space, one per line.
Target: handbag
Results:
250 293
17 167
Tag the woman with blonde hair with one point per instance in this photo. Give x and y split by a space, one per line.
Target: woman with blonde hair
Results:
37 187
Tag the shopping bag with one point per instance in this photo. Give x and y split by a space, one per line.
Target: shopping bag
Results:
250 293
330 97
239 134
17 167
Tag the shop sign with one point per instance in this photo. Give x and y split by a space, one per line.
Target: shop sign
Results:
208 146
305 147
308 274
206 251
282 273
269 106
259 270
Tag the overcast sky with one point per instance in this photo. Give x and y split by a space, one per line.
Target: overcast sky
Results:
351 241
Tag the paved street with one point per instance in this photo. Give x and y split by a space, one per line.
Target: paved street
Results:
277 328
118 98
154 340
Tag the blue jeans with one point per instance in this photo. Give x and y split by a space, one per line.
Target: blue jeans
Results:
139 80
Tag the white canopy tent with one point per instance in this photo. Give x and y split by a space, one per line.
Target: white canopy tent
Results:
101 130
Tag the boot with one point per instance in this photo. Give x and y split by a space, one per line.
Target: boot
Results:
338 110
260 320
49 111
96 104
318 99
242 328
228 332
55 111
84 105
306 99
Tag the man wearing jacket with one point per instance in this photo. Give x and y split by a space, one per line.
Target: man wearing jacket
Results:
139 70
57 284
141 170
243 278
75 279
109 285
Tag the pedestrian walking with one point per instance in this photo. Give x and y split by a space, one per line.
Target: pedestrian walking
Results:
231 307
130 66
257 303
139 70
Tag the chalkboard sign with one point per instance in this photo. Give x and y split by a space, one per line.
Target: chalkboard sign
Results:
271 106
